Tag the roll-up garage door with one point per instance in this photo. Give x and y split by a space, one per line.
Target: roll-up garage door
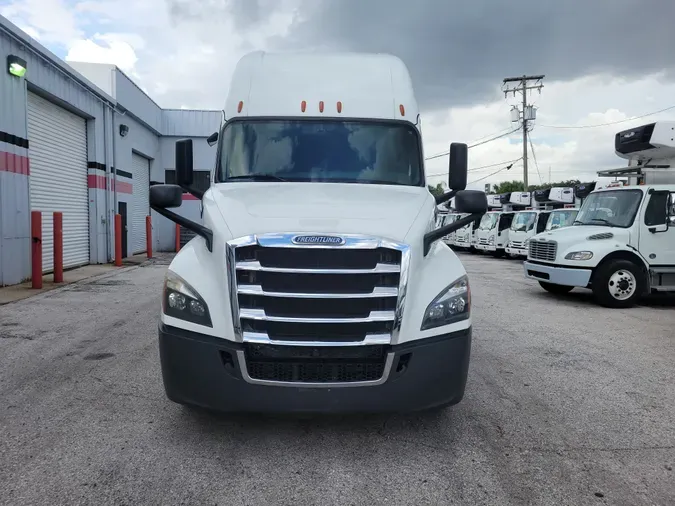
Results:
140 168
58 178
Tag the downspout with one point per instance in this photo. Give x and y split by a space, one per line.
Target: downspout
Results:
113 166
106 160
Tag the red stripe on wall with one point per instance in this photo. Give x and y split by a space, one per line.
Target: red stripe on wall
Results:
189 196
97 182
16 164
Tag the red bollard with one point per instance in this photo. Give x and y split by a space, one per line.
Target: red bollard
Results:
118 240
148 235
177 237
36 248
58 247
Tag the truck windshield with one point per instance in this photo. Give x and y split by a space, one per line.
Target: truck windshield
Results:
613 208
488 221
523 222
559 219
320 151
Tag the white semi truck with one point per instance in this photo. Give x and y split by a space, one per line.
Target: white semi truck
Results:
317 281
622 242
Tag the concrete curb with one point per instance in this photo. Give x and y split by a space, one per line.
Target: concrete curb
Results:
67 286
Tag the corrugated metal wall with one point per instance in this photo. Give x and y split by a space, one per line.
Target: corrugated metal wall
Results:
50 79
148 123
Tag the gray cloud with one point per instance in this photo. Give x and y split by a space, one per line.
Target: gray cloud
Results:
245 12
458 52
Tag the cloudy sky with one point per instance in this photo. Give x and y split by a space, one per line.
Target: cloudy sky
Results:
605 61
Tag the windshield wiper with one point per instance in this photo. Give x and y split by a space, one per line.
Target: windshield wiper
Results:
256 177
608 223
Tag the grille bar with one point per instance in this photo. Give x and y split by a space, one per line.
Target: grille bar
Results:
543 250
259 314
378 291
254 265
263 338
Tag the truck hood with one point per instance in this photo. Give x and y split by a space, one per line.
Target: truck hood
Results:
264 207
579 233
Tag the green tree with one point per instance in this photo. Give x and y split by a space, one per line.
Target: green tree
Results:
517 186
508 186
436 190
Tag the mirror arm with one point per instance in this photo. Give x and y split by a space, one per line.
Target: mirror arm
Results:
435 235
445 197
189 224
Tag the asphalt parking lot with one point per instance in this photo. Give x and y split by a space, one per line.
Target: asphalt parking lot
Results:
567 403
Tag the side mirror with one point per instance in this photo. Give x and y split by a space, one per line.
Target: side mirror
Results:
184 170
471 202
212 139
660 228
165 196
459 156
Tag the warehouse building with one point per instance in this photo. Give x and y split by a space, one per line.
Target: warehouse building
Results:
84 140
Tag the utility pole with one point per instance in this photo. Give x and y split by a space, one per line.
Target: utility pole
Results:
522 84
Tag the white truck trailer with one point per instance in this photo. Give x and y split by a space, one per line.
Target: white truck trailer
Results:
317 281
622 243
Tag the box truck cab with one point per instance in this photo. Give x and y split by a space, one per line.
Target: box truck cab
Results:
465 236
449 219
525 225
622 242
492 234
318 280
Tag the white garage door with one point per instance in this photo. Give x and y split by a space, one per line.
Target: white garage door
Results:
58 178
140 167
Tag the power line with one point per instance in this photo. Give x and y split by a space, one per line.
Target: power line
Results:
490 175
479 168
611 122
476 143
534 156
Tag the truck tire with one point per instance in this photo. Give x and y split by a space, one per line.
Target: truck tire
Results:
555 289
618 283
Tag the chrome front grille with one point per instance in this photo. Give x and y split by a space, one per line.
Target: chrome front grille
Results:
543 250
317 296
518 244
483 241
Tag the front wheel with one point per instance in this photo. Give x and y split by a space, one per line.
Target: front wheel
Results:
556 289
618 284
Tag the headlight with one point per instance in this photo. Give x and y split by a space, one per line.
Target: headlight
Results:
491 239
527 243
451 305
180 300
579 255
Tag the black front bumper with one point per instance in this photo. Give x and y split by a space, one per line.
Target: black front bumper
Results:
206 371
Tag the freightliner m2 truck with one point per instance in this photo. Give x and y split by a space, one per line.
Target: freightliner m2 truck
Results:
622 242
317 281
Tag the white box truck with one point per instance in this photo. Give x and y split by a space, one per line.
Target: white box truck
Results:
622 242
317 281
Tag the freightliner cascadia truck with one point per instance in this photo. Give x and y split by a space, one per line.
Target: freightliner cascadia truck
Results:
317 280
